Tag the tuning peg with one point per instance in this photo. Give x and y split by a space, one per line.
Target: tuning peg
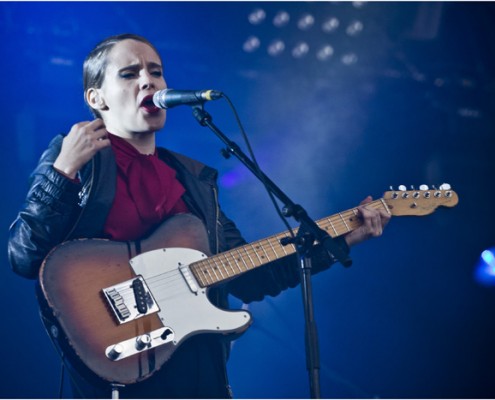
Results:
402 188
412 187
391 188
423 187
445 186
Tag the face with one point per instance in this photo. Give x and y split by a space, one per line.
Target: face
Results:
134 73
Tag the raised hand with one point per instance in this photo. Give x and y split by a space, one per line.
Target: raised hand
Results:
84 140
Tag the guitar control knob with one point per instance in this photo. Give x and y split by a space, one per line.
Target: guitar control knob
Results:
143 341
115 352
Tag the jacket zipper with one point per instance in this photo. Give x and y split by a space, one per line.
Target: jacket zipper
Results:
86 188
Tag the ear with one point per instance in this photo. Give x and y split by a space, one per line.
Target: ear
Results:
95 99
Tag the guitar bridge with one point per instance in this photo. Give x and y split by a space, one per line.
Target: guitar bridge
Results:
130 300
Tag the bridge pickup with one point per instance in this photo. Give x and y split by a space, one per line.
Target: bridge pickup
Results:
138 344
130 300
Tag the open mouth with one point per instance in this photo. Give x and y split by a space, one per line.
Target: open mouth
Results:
148 105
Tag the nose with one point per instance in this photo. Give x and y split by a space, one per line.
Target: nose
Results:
147 81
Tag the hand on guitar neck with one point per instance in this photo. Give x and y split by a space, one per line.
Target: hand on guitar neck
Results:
373 222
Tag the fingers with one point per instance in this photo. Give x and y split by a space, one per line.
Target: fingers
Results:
84 140
372 225
374 220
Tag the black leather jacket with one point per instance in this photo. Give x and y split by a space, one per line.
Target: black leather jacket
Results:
58 209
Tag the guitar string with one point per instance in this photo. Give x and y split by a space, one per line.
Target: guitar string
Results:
339 224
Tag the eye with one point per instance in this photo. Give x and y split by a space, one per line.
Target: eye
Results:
127 74
156 74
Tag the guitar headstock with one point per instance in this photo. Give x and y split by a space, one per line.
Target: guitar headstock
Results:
422 201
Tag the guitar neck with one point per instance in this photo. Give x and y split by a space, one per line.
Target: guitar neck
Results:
232 263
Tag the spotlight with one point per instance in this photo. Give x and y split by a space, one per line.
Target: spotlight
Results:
306 22
485 271
358 4
257 16
349 59
330 25
300 50
281 19
276 48
251 44
354 28
325 53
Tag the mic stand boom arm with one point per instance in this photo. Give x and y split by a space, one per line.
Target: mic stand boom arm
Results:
308 233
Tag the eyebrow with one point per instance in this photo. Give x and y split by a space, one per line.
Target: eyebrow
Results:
137 66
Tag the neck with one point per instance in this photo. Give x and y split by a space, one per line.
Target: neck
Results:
142 142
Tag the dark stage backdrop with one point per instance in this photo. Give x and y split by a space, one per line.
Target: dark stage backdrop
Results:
383 94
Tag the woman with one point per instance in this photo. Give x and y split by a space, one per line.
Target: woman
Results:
107 179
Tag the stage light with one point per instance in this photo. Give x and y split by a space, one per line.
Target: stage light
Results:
306 22
251 44
330 25
349 59
485 270
257 16
300 50
281 19
325 52
276 48
358 4
354 28
305 34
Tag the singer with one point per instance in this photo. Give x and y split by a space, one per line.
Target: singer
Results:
107 179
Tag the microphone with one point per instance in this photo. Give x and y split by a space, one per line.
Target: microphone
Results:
168 98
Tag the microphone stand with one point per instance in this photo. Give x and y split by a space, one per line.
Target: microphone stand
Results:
308 233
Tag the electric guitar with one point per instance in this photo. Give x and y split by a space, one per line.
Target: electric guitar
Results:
125 310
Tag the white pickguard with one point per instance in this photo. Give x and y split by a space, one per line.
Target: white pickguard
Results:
185 312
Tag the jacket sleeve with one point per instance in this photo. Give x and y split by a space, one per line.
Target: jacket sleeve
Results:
274 277
49 211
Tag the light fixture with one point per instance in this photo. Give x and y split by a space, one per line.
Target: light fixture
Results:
281 19
276 48
325 52
330 25
300 50
306 22
257 16
251 44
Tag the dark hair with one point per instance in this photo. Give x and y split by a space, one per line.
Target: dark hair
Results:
95 64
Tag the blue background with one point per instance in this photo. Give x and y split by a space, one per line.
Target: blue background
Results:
411 318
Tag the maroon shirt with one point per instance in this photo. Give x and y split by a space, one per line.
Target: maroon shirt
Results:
147 192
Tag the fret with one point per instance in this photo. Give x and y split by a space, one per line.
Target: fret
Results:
279 237
212 269
242 259
273 249
257 255
201 267
345 223
333 227
222 255
264 251
229 263
250 259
